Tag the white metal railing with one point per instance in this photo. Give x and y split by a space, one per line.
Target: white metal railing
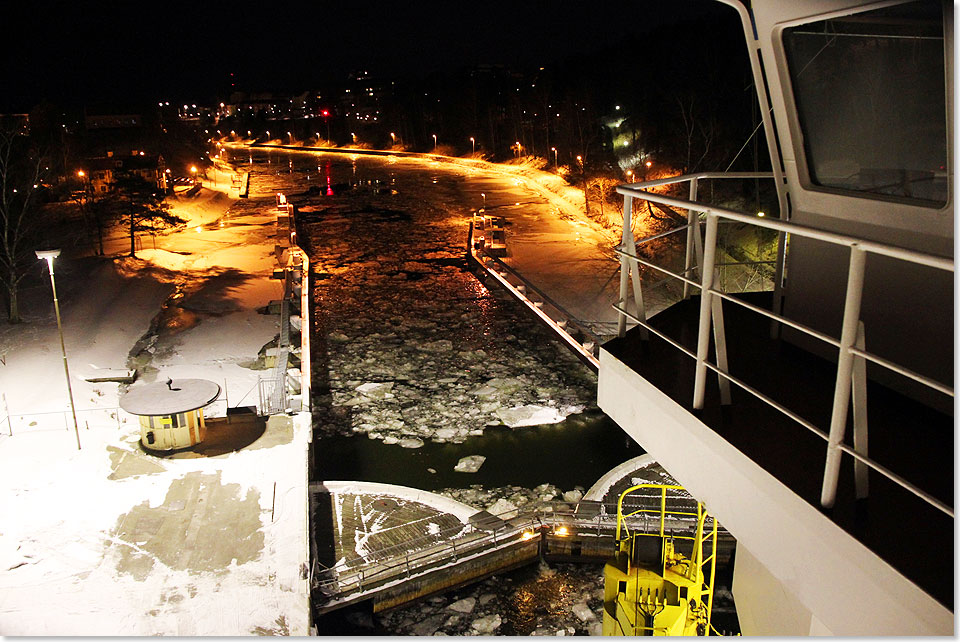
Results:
851 364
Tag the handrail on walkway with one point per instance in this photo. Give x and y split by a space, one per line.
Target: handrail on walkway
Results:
457 543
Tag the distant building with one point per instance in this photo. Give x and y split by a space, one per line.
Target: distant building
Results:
112 121
101 171
16 122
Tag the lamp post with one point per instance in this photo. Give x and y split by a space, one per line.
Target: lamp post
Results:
484 201
49 255
555 163
434 143
473 142
393 138
193 170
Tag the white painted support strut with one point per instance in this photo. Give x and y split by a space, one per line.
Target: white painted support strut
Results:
703 335
628 245
841 394
691 231
624 266
860 469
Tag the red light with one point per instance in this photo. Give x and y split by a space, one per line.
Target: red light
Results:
325 112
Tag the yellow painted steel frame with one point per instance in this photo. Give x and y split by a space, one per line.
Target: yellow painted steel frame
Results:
694 568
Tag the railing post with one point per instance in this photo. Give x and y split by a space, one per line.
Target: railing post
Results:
703 335
777 307
860 469
841 392
688 257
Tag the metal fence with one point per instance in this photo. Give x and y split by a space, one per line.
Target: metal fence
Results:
851 369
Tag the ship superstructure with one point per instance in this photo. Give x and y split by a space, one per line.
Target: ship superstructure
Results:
816 420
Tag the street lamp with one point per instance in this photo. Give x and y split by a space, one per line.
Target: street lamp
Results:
518 149
555 163
473 142
434 143
630 175
484 200
193 170
49 255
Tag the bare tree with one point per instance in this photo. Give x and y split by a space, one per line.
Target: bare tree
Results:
698 131
21 168
139 204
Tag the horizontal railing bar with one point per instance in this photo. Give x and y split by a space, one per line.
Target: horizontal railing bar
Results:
669 232
656 267
746 263
646 325
701 176
892 476
776 317
789 413
930 383
661 234
911 256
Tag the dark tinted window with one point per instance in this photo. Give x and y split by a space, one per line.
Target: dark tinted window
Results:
871 100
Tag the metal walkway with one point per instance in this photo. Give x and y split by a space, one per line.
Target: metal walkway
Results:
460 553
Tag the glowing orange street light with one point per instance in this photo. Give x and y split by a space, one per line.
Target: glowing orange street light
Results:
434 142
393 138
649 164
80 173
555 163
630 175
193 170
473 142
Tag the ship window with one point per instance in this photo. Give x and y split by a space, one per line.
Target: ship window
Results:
871 100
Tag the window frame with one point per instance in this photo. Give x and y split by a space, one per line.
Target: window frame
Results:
802 162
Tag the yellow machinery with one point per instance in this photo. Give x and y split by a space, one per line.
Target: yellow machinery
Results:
658 583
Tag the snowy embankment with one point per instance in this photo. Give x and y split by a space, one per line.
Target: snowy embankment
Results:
109 540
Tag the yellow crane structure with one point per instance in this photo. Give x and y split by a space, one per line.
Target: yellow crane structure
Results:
660 582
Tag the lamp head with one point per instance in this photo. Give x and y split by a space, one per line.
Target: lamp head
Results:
49 255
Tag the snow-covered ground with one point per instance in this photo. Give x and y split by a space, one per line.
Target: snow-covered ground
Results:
108 540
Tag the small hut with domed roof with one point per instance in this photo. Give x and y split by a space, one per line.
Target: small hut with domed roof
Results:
171 411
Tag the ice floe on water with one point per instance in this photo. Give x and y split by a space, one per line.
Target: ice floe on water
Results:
469 464
545 599
409 345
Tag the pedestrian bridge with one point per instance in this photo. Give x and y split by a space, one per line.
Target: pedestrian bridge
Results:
392 545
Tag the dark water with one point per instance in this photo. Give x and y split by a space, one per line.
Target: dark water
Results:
575 452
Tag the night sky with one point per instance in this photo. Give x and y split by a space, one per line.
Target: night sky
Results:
127 53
